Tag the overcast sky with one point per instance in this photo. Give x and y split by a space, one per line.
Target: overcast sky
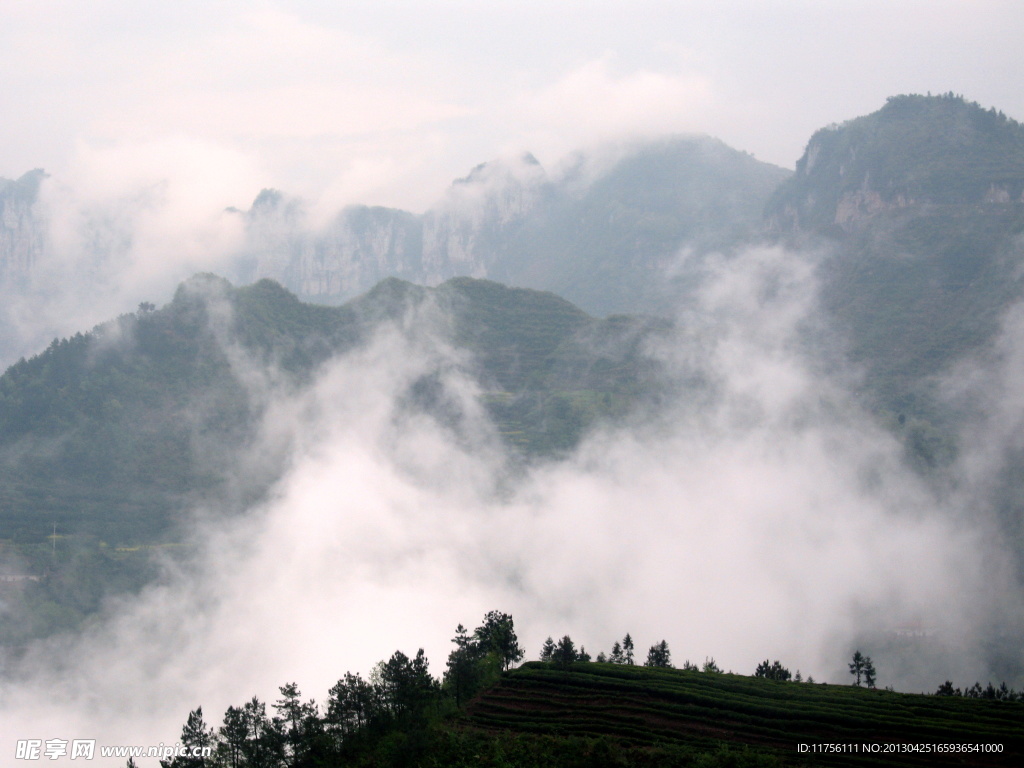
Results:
386 101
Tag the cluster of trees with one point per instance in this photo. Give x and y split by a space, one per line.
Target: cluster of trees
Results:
1002 693
491 649
773 671
861 667
564 653
400 696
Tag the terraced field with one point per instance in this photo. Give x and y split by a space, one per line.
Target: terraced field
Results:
642 708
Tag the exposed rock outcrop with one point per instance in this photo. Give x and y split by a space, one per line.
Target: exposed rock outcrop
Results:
510 221
22 229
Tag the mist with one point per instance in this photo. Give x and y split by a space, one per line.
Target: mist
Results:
760 513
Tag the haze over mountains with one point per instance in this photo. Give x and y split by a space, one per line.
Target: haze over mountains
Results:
783 404
601 230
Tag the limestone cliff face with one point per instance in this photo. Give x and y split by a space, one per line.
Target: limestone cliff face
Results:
461 235
599 235
22 229
856 207
467 232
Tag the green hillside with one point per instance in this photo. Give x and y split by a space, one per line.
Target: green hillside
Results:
108 438
112 431
919 208
602 715
917 214
609 248
914 151
683 713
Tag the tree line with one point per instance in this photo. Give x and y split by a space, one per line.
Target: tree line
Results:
400 698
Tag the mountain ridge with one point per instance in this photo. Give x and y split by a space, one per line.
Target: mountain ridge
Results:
915 152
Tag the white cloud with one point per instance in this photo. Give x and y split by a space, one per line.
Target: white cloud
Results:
595 103
766 516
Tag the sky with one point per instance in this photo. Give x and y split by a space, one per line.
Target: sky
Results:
386 102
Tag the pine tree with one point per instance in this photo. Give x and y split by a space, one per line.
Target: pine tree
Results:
196 736
617 656
233 734
627 649
564 653
547 649
857 667
463 667
658 656
869 672
352 703
299 724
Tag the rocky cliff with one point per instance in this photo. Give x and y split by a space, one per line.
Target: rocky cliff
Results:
601 234
917 152
22 229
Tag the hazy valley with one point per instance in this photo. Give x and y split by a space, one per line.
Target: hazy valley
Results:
662 388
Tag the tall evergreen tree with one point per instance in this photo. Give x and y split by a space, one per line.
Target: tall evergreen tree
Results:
869 672
547 650
233 735
617 656
300 727
857 667
627 649
463 672
404 684
264 743
351 705
565 653
195 737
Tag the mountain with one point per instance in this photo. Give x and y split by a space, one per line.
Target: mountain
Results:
112 432
917 212
920 208
913 217
602 233
917 154
109 439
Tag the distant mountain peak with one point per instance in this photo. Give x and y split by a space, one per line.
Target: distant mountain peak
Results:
522 165
915 151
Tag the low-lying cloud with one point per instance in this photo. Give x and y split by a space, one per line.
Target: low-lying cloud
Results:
762 514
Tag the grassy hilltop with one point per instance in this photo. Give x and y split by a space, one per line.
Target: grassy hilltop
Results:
653 716
604 715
